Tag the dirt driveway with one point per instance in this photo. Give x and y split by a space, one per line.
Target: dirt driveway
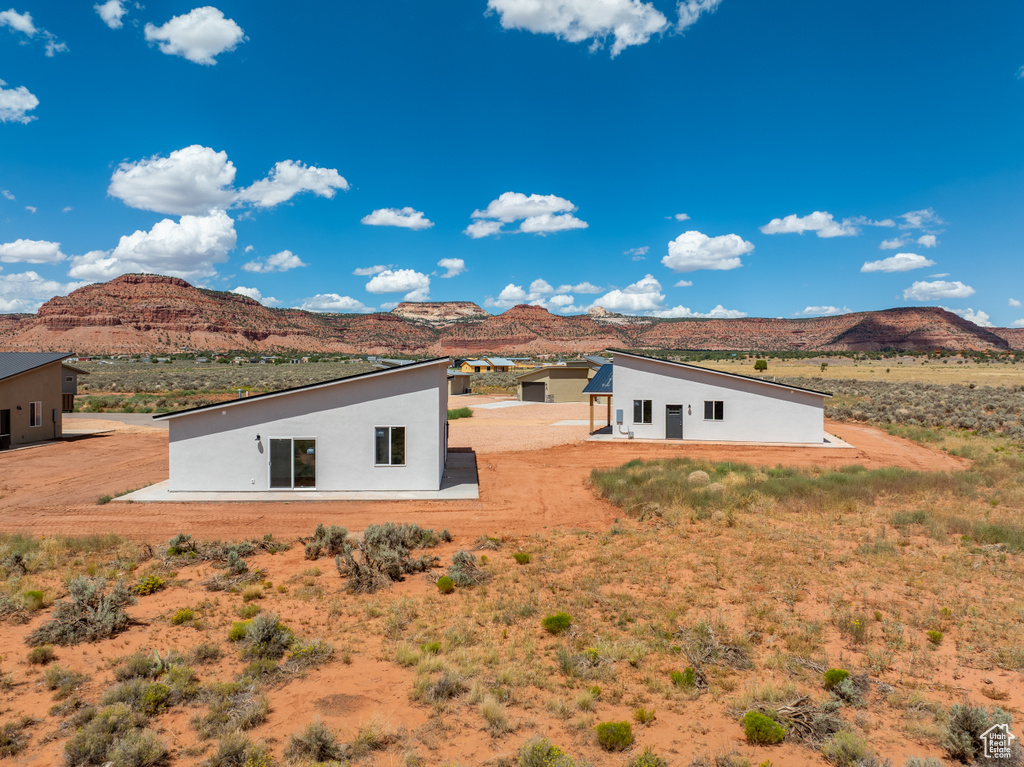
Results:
523 488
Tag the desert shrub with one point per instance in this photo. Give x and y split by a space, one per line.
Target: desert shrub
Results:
935 637
844 749
615 736
761 729
267 637
260 670
233 706
34 600
140 665
834 676
647 758
460 412
961 738
238 631
447 686
556 623
644 715
760 365
40 656
316 743
236 750
235 565
13 738
147 698
541 752
430 648
148 585
207 652
248 611
63 681
309 654
87 614
493 713
487 542
521 557
181 545
183 682
464 570
685 679
252 593
327 542
182 616
95 739
583 665
138 748
382 556
922 761
445 585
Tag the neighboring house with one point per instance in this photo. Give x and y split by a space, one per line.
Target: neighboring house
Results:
382 430
555 383
35 388
475 366
459 382
485 365
659 399
500 364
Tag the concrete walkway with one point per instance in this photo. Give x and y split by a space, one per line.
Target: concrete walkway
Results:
828 441
460 483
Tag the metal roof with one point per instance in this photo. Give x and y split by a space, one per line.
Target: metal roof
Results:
601 383
13 363
501 362
332 382
597 360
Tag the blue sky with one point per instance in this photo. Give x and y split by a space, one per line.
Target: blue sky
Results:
705 157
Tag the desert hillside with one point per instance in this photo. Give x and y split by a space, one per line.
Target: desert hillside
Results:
135 313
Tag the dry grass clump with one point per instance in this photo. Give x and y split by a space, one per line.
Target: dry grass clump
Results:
383 556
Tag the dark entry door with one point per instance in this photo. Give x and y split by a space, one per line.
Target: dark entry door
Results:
674 422
533 392
5 429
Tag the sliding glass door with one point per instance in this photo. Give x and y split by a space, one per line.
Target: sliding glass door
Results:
292 464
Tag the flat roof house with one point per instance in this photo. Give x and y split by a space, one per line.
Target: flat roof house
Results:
660 399
384 430
35 389
557 383
459 382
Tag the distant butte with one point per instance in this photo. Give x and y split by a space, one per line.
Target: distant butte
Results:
149 313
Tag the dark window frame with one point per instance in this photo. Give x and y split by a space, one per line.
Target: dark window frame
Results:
645 410
714 410
35 414
394 436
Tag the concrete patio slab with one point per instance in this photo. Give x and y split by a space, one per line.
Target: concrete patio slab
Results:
460 483
828 441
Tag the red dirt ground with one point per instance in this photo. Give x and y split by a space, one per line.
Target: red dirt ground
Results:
54 489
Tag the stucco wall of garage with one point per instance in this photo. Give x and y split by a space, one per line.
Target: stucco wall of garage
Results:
562 384
217 450
754 412
40 385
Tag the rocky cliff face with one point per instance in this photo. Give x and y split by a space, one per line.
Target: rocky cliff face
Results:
150 313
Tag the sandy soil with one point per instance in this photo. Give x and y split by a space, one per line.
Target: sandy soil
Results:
533 476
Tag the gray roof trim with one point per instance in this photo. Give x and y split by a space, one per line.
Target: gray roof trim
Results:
721 373
16 363
334 381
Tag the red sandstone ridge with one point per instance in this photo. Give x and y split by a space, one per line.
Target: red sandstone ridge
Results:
150 313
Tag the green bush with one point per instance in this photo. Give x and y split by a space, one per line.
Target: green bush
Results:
316 743
310 654
236 750
647 758
267 637
460 412
248 611
844 749
761 729
63 681
644 715
138 748
238 631
445 585
430 648
181 544
964 727
557 623
89 613
327 542
464 571
13 738
207 652
41 655
760 365
148 585
615 736
935 637
252 593
94 740
182 616
521 557
140 665
34 600
541 752
834 676
383 556
686 679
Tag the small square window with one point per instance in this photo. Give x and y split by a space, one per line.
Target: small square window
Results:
389 446
642 411
714 410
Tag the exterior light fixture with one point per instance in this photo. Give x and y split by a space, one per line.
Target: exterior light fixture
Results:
257 437
689 411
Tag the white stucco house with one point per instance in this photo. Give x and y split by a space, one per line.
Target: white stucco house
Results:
660 399
384 430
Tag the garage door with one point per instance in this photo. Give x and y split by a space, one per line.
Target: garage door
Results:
533 392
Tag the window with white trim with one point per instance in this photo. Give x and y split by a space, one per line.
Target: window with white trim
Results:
642 411
389 446
714 410
35 413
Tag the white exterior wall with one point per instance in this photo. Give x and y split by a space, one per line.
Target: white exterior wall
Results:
753 412
216 449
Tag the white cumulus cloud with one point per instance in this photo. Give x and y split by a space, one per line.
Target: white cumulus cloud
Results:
901 262
188 181
893 244
579 287
31 252
629 22
718 313
200 35
933 291
638 254
406 218
188 248
927 241
920 219
15 103
255 295
7 193
288 179
642 296
279 262
453 267
369 271
1015 303
18 22
694 250
821 222
332 302
690 11
680 217
538 213
415 285
112 12
823 311
979 317
25 292
683 284
541 293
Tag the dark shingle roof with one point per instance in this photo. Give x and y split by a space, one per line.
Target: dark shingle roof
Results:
13 363
601 383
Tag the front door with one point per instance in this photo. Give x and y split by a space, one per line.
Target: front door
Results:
292 464
5 429
674 422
